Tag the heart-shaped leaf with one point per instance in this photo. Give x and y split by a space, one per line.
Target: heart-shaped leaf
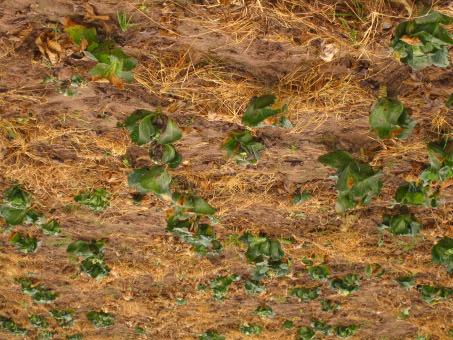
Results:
171 133
259 109
401 224
155 179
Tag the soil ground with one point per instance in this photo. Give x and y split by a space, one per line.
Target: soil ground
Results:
201 62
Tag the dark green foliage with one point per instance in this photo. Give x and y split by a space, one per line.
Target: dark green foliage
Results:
357 182
264 311
345 331
211 335
10 326
155 179
63 317
100 319
25 243
320 272
306 294
288 324
251 329
442 253
346 285
390 119
260 108
305 333
322 327
415 194
95 199
15 205
38 321
423 41
432 294
38 293
93 257
220 285
243 147
52 227
441 162
406 281
253 287
401 224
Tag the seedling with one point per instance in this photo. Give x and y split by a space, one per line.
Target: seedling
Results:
329 306
357 182
10 326
288 324
38 321
52 227
301 197
211 335
243 148
320 272
100 319
441 162
38 293
442 253
93 253
321 326
253 287
251 329
432 294
346 331
264 311
262 108
16 203
155 179
220 285
95 199
390 119
423 41
401 224
306 294
63 317
415 194
124 22
305 333
406 281
25 243
346 285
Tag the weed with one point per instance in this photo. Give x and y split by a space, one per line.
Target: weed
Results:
25 243
305 333
431 294
38 293
251 329
345 331
63 317
38 321
306 294
10 326
401 224
264 311
261 108
211 335
124 22
243 148
100 319
442 253
346 285
220 285
95 199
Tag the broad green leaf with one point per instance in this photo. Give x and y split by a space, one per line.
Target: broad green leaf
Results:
95 267
100 319
415 194
63 317
86 249
345 331
288 324
253 287
38 293
155 179
389 119
211 335
8 325
243 147
305 333
220 285
171 133
95 199
301 197
51 228
80 34
320 272
306 294
442 253
322 327
168 154
336 159
12 216
25 243
38 321
144 131
346 285
329 306
251 329
401 224
112 70
431 294
16 197
108 49
406 281
264 311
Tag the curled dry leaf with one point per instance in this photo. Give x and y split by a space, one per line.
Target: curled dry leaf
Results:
49 47
414 41
328 52
92 15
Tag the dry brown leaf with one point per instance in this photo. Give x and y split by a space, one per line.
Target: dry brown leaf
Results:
414 41
49 47
91 15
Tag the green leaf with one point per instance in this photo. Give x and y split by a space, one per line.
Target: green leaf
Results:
112 70
15 205
25 243
253 287
63 317
155 179
220 285
259 109
38 293
301 197
51 228
95 199
345 331
12 216
79 33
10 326
95 267
108 49
86 249
100 319
401 224
321 326
389 119
320 272
144 131
77 336
38 321
412 193
346 285
251 329
306 294
329 306
336 159
442 253
305 333
288 324
171 133
449 102
243 147
431 294
406 281
211 335
264 311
